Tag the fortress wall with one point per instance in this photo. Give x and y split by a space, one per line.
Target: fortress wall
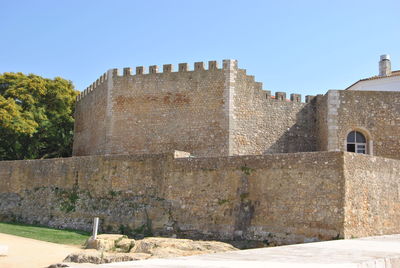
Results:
207 112
372 204
374 113
270 125
277 199
321 103
158 112
90 119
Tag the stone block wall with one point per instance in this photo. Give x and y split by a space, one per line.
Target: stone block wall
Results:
207 112
321 103
376 114
372 205
280 199
156 112
161 112
92 119
223 111
263 124
273 199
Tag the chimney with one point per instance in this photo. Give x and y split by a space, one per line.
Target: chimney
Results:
385 67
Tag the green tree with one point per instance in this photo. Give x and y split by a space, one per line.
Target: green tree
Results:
36 116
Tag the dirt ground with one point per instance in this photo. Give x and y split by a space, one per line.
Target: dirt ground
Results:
30 253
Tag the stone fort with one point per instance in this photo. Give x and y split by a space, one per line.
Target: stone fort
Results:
207 153
224 112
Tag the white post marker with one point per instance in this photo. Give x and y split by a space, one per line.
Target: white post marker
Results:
95 227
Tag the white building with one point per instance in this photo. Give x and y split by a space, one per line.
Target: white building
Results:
387 80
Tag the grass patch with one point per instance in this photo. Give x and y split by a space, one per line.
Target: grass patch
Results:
246 170
222 201
243 196
67 237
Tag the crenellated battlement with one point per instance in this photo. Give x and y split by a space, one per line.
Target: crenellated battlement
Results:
153 69
281 96
257 87
169 68
197 67
92 87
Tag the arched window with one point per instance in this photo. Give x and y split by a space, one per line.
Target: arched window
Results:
356 142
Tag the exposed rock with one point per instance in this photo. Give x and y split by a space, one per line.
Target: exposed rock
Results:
98 257
106 242
117 248
160 247
58 265
124 244
111 236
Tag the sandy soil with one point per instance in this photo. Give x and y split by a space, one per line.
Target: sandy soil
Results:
27 253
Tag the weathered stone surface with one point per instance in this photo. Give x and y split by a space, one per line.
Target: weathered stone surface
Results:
101 244
372 199
375 114
275 199
154 113
112 237
152 247
169 247
214 112
106 242
125 244
58 265
98 257
261 124
285 198
219 112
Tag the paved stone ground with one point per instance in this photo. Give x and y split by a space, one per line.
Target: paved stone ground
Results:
371 252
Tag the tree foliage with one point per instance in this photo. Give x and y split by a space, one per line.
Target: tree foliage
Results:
36 116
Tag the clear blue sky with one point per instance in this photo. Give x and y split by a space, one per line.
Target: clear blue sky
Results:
302 47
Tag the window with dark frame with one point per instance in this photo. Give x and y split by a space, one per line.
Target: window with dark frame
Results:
356 142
